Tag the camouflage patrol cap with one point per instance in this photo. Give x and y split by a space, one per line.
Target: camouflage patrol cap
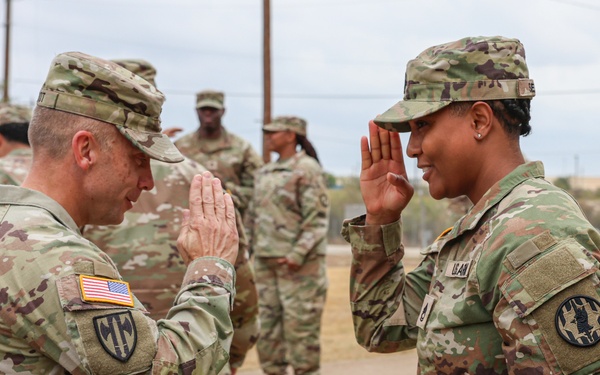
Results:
100 89
210 98
14 114
474 68
140 67
283 123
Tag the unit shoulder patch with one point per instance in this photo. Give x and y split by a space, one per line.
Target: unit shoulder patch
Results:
117 334
578 321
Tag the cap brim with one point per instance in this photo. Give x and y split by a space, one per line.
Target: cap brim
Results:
396 118
209 103
156 145
273 128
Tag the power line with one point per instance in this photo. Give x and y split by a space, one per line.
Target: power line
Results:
578 4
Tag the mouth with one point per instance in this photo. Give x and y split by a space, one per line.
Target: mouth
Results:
426 171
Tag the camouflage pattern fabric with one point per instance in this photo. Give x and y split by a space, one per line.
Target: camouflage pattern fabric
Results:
210 98
291 308
144 248
513 288
15 166
287 123
140 67
290 209
51 323
88 86
14 114
230 158
474 68
290 213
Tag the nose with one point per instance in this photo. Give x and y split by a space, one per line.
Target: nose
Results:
413 149
146 181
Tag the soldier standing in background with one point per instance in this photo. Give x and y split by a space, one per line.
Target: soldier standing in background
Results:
15 153
63 306
228 156
144 247
513 287
290 216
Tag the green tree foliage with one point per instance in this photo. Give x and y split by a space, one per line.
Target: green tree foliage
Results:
423 219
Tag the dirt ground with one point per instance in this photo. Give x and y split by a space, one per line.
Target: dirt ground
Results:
341 355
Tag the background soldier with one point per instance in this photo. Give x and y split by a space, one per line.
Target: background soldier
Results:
15 153
144 246
225 154
290 212
63 305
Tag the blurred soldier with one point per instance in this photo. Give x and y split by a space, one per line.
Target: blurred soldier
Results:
290 213
228 156
15 153
144 245
513 287
64 308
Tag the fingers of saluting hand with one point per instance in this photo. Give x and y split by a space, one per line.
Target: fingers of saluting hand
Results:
219 198
365 153
208 197
375 142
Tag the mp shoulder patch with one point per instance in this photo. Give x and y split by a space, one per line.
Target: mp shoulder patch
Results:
98 289
578 321
117 334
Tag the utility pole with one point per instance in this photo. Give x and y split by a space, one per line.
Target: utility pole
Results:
266 74
6 53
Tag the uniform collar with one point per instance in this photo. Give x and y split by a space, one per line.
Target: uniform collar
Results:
14 195
494 195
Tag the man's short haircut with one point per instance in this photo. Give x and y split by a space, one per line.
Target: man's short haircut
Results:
63 126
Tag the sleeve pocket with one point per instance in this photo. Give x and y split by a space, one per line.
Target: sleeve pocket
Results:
542 278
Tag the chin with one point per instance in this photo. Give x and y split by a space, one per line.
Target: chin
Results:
436 194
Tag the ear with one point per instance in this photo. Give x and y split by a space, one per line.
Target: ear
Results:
85 149
482 118
222 111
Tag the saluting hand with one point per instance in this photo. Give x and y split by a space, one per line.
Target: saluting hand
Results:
383 181
209 226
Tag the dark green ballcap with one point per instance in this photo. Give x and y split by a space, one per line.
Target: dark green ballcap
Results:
284 123
474 68
140 67
14 114
210 98
100 89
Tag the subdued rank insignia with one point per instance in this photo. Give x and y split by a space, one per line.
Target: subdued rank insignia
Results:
578 321
428 302
117 334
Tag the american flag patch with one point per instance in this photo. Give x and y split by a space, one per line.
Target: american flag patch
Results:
96 289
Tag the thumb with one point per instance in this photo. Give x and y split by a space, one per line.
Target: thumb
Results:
397 180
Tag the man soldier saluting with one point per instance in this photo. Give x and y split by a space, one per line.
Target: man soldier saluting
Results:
63 305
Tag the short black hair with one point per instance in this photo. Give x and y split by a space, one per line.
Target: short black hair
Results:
15 132
513 114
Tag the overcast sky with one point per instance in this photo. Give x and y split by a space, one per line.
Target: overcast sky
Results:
337 63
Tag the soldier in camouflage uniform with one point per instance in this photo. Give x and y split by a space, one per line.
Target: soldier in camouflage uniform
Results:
513 287
290 213
15 153
144 247
225 154
64 308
